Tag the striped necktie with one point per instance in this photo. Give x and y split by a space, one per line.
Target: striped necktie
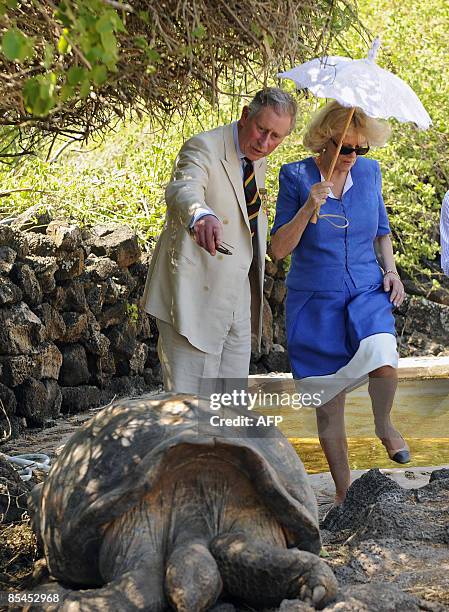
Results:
252 196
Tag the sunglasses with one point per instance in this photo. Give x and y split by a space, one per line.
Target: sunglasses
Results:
348 150
224 248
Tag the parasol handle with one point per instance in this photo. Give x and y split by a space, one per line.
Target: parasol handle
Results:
314 217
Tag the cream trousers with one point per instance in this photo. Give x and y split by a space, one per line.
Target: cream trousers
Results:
186 369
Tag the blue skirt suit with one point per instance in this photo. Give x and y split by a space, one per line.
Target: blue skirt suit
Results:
339 319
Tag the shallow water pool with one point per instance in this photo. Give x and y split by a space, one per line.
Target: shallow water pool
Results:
420 413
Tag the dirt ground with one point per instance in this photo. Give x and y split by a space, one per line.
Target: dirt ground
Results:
384 550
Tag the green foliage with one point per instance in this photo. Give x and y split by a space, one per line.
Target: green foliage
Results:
159 57
120 180
16 46
38 93
124 178
86 29
415 163
132 312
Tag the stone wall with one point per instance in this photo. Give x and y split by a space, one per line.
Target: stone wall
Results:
73 336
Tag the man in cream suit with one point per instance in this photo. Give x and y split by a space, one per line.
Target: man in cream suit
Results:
205 283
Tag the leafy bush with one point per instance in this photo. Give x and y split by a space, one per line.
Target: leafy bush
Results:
123 178
73 67
415 164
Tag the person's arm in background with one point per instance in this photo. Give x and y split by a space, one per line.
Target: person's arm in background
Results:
444 234
185 194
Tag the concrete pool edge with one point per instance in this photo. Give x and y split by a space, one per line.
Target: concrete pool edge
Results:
414 368
423 367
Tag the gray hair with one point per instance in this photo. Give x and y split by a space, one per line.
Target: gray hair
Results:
282 103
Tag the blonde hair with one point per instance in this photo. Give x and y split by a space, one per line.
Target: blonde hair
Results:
330 121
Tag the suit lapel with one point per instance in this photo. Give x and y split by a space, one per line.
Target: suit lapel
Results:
231 165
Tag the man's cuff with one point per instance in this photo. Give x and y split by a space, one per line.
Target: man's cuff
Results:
199 213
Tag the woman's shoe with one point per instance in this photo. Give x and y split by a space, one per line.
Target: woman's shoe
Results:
401 455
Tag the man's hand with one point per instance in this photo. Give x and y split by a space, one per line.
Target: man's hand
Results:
208 233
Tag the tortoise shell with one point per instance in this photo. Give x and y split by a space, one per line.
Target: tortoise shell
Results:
118 456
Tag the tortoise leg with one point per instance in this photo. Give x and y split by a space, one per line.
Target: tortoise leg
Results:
192 579
265 575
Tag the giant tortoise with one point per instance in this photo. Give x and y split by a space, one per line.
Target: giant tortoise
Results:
151 507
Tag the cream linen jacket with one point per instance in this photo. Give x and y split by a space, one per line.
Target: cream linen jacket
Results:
186 286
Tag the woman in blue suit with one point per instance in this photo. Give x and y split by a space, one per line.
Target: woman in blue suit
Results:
340 326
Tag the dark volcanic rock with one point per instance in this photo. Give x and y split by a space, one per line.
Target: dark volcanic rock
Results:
20 330
389 546
55 327
8 400
41 245
25 278
101 268
439 474
38 401
64 235
268 286
95 294
76 326
123 339
72 297
44 269
79 399
44 361
70 264
123 386
424 326
267 327
277 360
113 315
74 370
117 242
7 259
278 292
370 489
9 292
14 239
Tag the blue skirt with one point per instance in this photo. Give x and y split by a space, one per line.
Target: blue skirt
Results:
340 334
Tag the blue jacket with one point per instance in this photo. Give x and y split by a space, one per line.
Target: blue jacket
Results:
325 253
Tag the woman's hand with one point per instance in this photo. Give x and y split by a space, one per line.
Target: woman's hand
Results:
318 195
393 283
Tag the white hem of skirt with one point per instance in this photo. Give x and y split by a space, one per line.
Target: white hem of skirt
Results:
373 352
